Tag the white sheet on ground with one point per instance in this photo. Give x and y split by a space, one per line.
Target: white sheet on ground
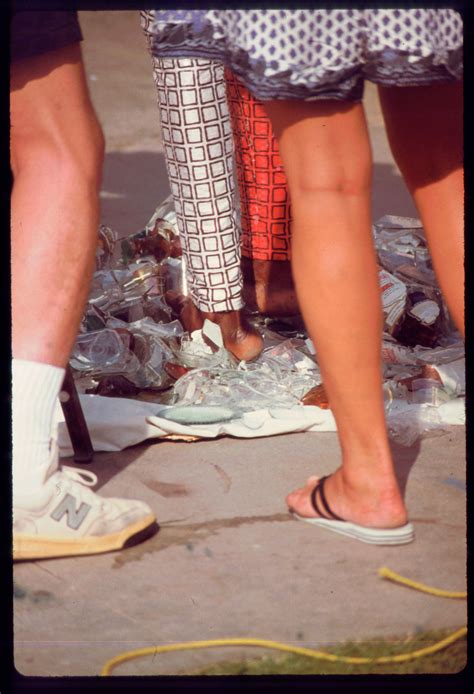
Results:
116 423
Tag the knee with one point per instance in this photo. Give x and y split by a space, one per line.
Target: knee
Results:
344 178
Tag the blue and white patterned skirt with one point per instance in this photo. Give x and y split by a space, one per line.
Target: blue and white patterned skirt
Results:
318 54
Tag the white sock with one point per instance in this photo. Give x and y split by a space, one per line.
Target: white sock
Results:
35 388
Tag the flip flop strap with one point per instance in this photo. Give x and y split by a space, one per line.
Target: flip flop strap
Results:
328 514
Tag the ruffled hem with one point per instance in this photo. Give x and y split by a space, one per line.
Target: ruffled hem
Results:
272 79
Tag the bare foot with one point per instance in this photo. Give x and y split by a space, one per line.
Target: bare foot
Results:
240 337
362 504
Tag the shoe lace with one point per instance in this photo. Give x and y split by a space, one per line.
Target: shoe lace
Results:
89 479
78 481
84 477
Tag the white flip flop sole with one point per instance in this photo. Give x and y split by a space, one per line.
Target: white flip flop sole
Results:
373 536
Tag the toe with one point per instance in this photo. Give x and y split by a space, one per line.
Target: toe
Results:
295 498
299 500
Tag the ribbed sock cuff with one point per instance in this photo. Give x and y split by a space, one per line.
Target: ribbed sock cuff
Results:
35 388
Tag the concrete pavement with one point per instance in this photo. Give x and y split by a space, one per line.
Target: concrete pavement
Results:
229 561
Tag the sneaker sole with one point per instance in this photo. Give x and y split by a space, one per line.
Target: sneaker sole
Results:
36 547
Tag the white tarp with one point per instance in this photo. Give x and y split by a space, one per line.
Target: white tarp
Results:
116 423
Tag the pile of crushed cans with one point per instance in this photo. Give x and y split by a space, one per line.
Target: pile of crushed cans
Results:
132 345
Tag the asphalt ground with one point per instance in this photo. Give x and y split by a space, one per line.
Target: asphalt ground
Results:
229 561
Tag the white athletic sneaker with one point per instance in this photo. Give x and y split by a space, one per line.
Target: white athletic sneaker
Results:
65 518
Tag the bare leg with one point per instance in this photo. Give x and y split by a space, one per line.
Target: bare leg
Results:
326 153
56 162
57 150
56 157
425 131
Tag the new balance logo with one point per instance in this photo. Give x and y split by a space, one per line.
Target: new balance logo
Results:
68 507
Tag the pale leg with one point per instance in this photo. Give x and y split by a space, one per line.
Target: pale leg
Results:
57 150
326 153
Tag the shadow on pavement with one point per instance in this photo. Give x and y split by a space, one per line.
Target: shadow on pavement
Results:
389 193
108 464
134 183
404 458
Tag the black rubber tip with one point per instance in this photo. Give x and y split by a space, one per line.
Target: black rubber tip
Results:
142 535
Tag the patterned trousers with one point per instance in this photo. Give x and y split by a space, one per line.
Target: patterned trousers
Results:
198 131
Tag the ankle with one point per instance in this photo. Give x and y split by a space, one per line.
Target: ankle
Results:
375 483
240 337
372 500
233 324
377 490
226 319
371 454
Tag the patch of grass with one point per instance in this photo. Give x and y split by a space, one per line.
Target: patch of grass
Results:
448 661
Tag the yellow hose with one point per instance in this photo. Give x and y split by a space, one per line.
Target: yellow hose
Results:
392 576
308 652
